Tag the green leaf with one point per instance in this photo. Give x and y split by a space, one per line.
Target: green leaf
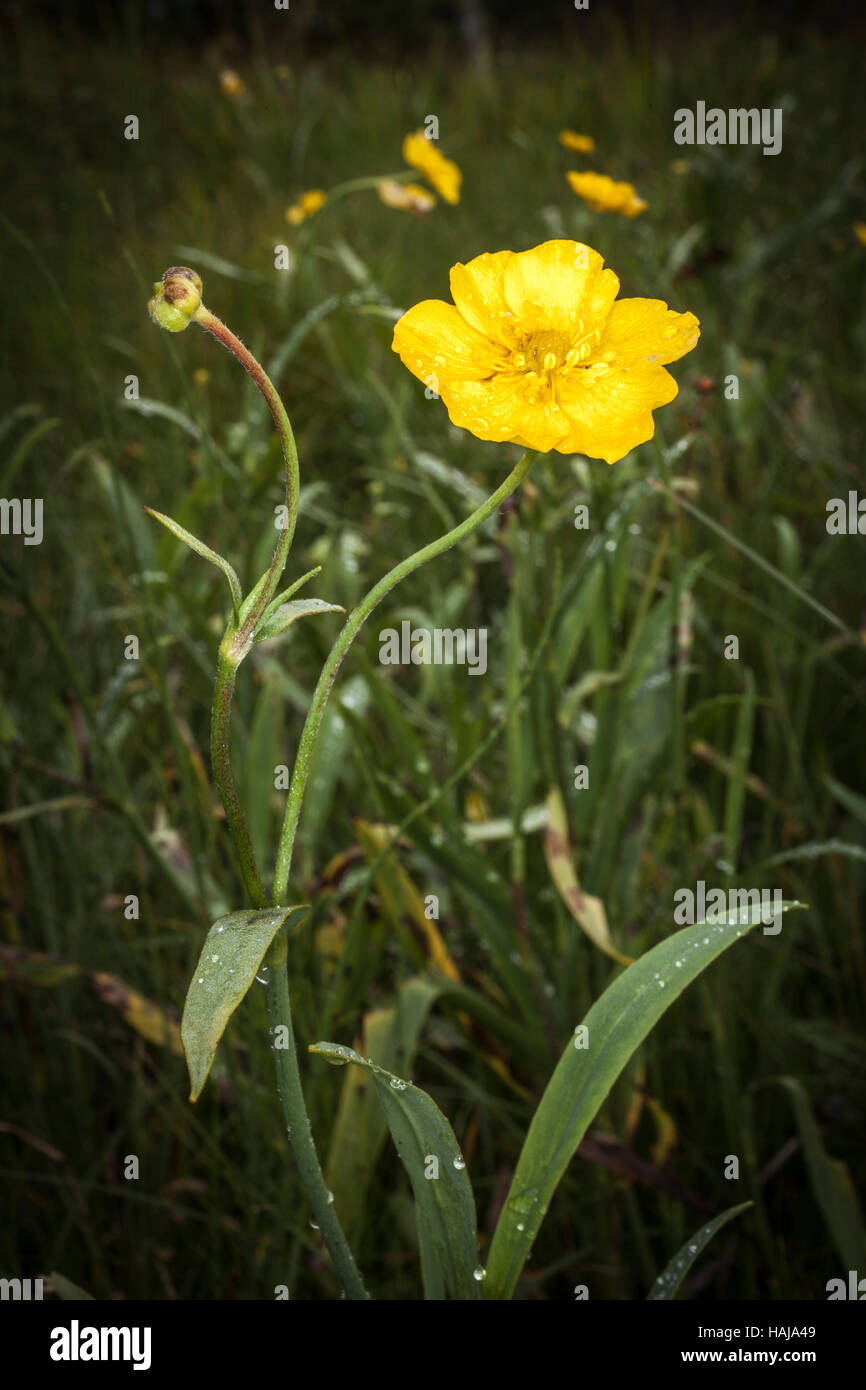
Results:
831 1182
233 951
740 755
287 593
666 1285
288 613
65 1289
444 1205
201 549
616 1025
389 1038
249 602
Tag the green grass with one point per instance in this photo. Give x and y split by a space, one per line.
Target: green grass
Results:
700 767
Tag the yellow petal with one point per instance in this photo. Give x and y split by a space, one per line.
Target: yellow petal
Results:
503 409
559 286
584 144
646 330
433 340
603 194
479 293
611 412
443 173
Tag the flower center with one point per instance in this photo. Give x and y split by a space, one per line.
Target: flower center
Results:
541 355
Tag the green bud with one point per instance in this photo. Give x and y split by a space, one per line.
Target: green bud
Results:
175 298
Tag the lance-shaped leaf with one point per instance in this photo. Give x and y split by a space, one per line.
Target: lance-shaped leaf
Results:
616 1024
831 1181
588 911
288 613
287 593
201 549
390 1037
233 951
444 1205
666 1285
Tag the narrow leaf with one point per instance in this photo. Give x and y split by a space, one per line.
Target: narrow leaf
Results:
444 1205
201 549
587 911
287 593
233 951
616 1024
831 1182
289 613
389 1038
667 1283
65 1289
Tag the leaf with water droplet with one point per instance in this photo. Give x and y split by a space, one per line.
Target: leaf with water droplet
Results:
617 1024
444 1205
666 1285
218 986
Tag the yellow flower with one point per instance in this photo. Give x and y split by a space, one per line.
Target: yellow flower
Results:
860 232
443 173
232 85
307 204
604 195
584 144
535 351
680 167
410 197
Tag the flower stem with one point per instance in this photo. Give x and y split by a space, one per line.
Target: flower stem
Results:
349 632
233 649
298 1124
368 181
220 753
223 334
236 643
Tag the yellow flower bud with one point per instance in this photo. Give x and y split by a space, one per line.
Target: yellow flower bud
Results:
175 298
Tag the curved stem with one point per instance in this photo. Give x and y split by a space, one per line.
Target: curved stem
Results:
369 181
223 334
351 628
237 643
298 1124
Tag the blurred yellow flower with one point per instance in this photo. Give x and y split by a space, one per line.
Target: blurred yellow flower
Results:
604 195
443 173
860 232
307 204
534 351
584 144
680 166
231 84
410 197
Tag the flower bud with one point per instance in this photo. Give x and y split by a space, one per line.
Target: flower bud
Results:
175 298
